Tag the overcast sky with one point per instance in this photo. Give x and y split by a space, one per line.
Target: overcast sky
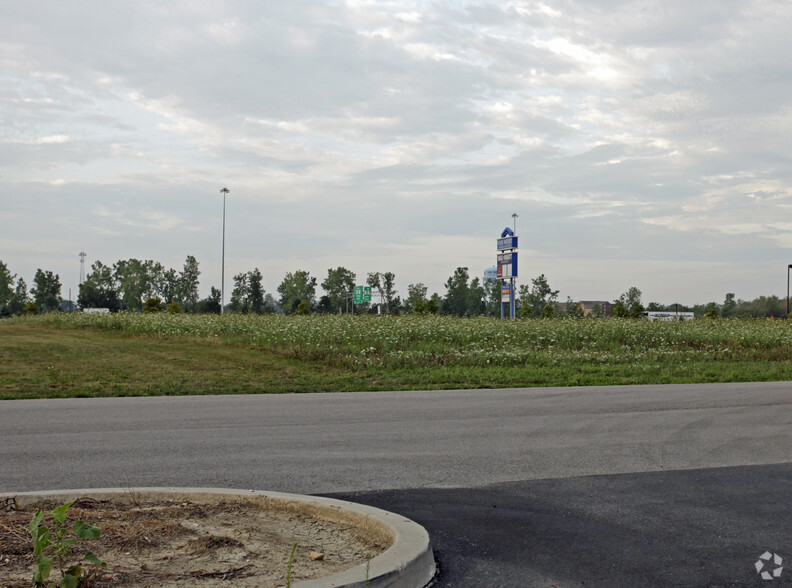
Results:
641 143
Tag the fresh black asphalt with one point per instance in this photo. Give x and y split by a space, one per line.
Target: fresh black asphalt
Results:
677 485
682 528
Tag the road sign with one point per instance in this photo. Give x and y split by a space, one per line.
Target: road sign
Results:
507 243
362 294
507 265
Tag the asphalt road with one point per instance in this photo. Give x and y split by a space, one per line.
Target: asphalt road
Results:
611 486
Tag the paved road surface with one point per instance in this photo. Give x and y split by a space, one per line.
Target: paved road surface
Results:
517 487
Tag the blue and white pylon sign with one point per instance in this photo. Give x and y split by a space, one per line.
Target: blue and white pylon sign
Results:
507 269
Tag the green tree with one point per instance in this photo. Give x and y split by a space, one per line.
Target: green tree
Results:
137 281
383 283
210 304
6 288
619 310
171 291
597 311
729 306
535 299
457 293
492 297
255 291
416 296
573 309
100 289
476 298
548 311
46 290
631 302
240 293
631 296
303 308
174 308
712 310
188 283
295 288
339 283
153 304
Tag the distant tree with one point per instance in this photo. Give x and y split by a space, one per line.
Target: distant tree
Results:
631 303
712 310
188 284
255 291
548 311
170 287
636 310
729 306
100 289
631 296
324 306
173 307
295 288
248 294
573 309
383 283
656 307
476 298
597 311
153 304
339 283
619 310
31 308
138 280
6 288
457 293
303 308
46 291
271 305
492 297
764 306
433 304
241 293
534 300
416 295
210 304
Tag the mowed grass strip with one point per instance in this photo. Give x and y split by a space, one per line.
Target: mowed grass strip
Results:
62 355
42 361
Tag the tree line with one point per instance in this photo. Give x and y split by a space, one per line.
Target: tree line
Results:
147 286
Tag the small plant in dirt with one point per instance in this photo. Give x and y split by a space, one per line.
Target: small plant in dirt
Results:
54 545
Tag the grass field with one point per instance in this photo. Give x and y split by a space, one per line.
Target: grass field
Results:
62 355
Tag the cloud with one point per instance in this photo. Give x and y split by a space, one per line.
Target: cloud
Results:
626 134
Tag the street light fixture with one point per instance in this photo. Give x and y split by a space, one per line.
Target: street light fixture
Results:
224 191
514 228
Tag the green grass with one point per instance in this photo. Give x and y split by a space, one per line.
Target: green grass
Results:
61 355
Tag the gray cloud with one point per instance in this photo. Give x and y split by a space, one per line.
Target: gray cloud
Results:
640 142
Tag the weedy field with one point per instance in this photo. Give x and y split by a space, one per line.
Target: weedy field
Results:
63 355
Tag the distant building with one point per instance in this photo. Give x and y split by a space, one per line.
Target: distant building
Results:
668 315
588 306
490 274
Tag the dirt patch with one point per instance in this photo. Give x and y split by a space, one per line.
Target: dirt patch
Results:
185 543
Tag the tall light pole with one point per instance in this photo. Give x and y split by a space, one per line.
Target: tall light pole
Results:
788 267
224 191
514 217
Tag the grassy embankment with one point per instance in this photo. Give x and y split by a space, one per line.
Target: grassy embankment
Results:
60 355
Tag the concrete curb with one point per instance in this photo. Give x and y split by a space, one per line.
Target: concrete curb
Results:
408 563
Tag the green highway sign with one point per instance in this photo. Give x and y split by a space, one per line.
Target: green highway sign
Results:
362 294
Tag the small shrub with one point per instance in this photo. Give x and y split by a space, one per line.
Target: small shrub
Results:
53 545
152 305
